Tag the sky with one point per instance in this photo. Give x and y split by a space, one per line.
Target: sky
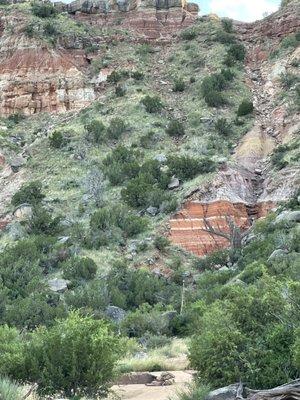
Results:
243 10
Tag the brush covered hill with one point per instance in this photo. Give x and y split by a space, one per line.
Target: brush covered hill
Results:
133 141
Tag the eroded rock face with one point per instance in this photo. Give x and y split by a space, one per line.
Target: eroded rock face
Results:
188 228
248 188
36 80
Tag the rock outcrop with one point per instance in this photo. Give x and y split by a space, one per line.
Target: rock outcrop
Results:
37 79
150 19
249 188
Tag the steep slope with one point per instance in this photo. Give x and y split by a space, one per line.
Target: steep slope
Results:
249 187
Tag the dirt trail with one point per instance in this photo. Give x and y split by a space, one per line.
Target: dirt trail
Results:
143 392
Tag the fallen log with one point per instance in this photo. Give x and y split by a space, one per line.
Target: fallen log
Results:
288 391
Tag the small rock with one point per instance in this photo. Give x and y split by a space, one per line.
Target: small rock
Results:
23 212
223 269
278 253
174 184
63 239
141 355
17 163
160 158
152 211
225 393
258 171
58 285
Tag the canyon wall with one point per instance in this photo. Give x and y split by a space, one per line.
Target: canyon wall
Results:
188 227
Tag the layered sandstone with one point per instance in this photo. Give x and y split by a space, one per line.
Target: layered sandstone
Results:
188 227
35 78
148 19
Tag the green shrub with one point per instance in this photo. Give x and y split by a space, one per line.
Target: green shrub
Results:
86 351
12 352
28 193
145 49
143 192
227 25
59 139
227 74
225 37
120 165
130 288
214 99
43 10
195 392
120 90
185 167
290 41
96 131
91 297
223 127
189 34
288 80
50 29
16 118
153 104
78 268
179 85
246 107
155 342
237 51
161 243
211 87
42 222
115 77
10 390
137 75
116 128
114 224
145 319
175 128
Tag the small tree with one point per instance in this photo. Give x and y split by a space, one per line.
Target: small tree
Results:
95 185
153 104
76 356
179 85
175 128
96 131
246 107
29 193
43 10
12 352
116 128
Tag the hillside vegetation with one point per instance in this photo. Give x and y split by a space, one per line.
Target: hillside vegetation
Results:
89 281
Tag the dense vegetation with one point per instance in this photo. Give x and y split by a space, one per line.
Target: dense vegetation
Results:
97 204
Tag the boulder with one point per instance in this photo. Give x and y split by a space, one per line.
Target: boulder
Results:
277 254
224 393
160 158
58 285
289 216
136 378
16 163
152 211
174 184
117 314
23 212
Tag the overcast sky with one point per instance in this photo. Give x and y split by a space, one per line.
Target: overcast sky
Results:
243 10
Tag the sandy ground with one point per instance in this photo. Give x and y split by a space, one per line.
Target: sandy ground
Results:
143 392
